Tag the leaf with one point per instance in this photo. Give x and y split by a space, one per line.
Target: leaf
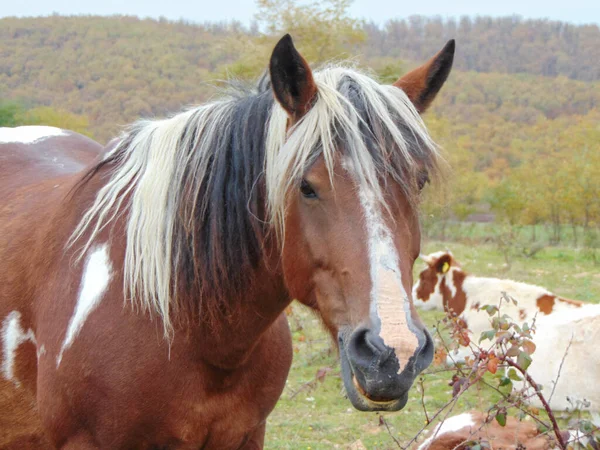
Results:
513 375
463 339
440 356
513 351
501 418
524 360
504 381
528 346
502 336
322 373
457 385
487 335
492 365
490 309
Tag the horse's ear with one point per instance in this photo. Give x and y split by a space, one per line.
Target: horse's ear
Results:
422 84
291 79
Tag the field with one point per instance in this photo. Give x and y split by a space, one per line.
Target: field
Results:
313 412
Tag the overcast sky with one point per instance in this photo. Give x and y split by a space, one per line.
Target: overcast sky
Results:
576 11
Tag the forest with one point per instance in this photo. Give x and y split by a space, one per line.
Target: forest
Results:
518 120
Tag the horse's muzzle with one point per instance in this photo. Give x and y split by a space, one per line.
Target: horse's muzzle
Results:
371 371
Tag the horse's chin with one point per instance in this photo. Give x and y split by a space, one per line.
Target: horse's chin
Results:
360 398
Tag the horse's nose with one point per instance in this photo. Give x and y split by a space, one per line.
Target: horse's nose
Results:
377 369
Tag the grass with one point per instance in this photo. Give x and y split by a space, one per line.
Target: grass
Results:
525 235
315 414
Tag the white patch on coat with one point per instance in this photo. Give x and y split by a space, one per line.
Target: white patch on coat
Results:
13 335
450 283
95 280
29 134
390 304
450 425
579 374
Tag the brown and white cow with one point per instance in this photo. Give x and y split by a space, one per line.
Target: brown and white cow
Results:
443 284
464 431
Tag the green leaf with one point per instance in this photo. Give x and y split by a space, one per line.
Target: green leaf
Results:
487 335
490 309
505 381
513 375
524 360
501 419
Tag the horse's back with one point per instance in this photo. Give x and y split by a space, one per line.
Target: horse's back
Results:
31 154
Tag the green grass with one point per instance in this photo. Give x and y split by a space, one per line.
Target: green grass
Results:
316 415
524 235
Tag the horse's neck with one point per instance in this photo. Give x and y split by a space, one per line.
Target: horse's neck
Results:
229 339
226 337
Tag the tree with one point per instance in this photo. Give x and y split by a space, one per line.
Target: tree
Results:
44 115
10 114
322 31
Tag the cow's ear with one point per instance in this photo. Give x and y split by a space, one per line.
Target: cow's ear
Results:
443 263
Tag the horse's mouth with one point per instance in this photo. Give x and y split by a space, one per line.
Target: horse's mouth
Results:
361 399
369 398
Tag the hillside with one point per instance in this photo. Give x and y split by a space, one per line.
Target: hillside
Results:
519 114
114 69
505 45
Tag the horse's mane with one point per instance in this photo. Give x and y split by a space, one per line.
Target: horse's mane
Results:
201 189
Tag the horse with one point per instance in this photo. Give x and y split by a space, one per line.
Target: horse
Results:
468 430
142 298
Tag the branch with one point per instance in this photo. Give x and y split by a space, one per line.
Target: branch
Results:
421 380
383 421
533 384
515 404
450 402
560 368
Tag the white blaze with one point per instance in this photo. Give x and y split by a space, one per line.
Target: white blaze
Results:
13 335
28 134
96 276
390 303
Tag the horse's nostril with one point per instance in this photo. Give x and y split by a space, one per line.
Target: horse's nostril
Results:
367 352
364 344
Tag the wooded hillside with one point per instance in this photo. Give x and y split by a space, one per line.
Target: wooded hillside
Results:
519 118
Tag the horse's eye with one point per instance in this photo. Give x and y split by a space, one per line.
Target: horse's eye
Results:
307 190
422 180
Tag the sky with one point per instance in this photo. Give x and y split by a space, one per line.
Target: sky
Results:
575 11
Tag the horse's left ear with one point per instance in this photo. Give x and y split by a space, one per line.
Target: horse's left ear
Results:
422 84
291 78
